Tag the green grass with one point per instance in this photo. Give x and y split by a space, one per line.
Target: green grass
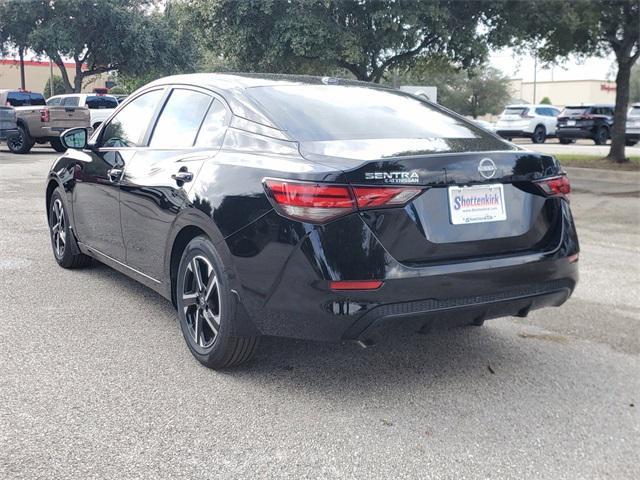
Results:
595 161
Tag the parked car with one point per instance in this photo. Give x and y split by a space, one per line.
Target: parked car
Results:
312 208
586 121
100 106
537 122
39 123
632 132
8 125
120 97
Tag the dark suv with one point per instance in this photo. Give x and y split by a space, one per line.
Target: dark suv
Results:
585 121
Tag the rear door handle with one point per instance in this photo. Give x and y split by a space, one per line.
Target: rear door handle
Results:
183 176
114 174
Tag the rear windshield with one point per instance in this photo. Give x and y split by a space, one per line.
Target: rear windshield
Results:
635 111
101 101
23 99
515 111
571 111
344 112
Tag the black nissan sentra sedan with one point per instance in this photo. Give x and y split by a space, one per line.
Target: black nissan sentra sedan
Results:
313 208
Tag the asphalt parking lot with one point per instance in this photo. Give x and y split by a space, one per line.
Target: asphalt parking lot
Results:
97 382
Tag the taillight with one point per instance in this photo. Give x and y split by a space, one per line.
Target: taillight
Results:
44 115
319 202
555 186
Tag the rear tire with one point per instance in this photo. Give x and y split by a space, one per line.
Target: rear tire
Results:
602 135
22 142
57 145
566 141
539 134
62 240
207 308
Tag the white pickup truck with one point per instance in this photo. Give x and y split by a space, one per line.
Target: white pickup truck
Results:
100 106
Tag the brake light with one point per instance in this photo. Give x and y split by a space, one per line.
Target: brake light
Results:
319 202
44 115
556 186
356 285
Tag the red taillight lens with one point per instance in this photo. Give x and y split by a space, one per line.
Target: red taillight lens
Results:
356 285
319 203
312 202
556 186
44 115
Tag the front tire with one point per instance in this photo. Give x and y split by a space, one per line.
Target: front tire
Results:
206 308
539 134
62 240
566 141
20 143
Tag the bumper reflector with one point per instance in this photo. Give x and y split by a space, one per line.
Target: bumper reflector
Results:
356 285
573 258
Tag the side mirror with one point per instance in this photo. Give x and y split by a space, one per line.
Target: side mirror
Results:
75 138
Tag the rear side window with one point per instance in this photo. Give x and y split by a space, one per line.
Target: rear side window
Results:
180 119
101 102
346 112
572 111
214 126
128 127
515 111
25 99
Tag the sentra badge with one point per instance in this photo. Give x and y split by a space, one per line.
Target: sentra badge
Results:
393 177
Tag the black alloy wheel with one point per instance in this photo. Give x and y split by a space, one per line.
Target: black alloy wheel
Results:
539 134
21 142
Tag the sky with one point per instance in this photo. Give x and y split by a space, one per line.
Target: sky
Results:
514 65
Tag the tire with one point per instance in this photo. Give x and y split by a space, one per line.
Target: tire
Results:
96 125
566 141
539 134
22 142
62 239
601 137
57 145
630 143
207 306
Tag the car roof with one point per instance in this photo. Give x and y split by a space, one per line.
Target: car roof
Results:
233 81
530 105
588 105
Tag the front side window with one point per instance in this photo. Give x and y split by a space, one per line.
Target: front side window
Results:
180 119
128 127
54 101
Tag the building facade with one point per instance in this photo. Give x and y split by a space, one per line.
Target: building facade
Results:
564 92
37 74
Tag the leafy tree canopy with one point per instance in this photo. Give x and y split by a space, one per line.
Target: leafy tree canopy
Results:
314 36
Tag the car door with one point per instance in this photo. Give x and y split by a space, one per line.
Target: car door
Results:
154 187
96 197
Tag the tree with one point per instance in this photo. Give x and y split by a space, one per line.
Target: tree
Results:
318 36
128 35
58 87
473 92
16 25
545 101
582 27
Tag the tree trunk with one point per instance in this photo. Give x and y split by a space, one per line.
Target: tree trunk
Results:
616 153
23 83
77 81
68 88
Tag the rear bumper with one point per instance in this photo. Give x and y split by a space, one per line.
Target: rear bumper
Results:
513 133
295 300
575 133
7 133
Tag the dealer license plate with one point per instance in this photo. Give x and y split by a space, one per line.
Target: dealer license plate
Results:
571 123
477 204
